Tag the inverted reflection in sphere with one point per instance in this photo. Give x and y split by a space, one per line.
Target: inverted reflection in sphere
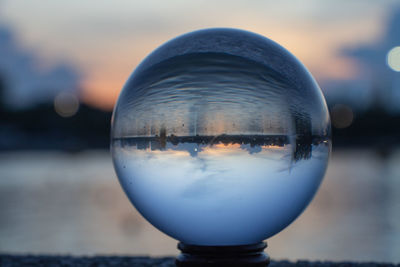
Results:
220 137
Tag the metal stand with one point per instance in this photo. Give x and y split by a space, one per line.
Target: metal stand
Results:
233 256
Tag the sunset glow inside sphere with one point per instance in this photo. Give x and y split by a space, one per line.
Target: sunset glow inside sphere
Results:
220 137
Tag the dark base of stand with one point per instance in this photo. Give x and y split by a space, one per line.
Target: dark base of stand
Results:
247 255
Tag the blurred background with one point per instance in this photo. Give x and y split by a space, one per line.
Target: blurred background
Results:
63 63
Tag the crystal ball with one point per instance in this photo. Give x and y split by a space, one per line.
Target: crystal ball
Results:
220 137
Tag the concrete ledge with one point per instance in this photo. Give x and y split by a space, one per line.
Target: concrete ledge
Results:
103 261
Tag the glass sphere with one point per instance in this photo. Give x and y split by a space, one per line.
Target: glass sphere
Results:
220 137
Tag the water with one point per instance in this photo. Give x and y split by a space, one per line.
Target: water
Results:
224 193
63 203
211 94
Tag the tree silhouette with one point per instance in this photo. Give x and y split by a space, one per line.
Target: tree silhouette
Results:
2 93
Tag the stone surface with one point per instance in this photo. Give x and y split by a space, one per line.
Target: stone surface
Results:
103 261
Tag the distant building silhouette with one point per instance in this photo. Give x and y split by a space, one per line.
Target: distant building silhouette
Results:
251 143
304 140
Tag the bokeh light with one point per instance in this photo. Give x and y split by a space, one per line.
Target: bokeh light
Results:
342 116
66 104
393 58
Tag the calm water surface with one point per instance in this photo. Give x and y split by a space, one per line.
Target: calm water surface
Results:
52 202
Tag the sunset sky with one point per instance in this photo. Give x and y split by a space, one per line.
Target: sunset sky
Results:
106 40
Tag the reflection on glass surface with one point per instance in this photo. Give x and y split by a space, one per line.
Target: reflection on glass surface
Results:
220 137
218 189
